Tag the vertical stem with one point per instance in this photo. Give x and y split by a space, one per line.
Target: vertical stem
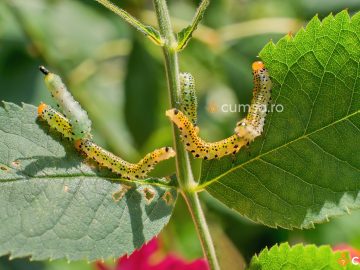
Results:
197 214
184 173
183 167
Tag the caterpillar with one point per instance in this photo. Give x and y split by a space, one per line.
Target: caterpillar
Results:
55 120
119 166
79 120
246 130
252 126
188 96
125 169
197 146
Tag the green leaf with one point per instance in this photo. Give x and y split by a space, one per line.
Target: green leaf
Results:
299 257
53 205
305 167
153 34
185 35
142 93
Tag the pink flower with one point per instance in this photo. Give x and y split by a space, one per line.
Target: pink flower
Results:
345 247
149 257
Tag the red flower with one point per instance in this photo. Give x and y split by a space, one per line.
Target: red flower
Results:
149 257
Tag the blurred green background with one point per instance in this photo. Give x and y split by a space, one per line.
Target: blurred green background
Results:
118 77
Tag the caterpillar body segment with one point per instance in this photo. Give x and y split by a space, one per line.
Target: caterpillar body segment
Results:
55 120
81 124
188 96
124 169
105 158
253 124
197 146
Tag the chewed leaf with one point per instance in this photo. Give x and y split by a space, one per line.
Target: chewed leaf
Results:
301 257
304 168
53 205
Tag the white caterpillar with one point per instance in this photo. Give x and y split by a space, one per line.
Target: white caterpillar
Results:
78 118
188 96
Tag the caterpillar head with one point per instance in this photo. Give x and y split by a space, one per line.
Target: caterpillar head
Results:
44 70
42 107
257 66
48 75
259 69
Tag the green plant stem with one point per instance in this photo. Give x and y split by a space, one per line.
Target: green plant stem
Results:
184 173
183 167
198 217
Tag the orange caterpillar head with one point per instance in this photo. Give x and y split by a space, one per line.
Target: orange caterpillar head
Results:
258 65
41 108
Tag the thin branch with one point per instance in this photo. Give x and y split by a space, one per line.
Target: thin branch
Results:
197 214
147 30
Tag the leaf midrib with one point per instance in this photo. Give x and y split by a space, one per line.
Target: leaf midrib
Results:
207 183
112 179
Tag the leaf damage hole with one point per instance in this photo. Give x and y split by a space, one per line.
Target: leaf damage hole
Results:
16 163
168 198
149 194
66 188
119 194
4 168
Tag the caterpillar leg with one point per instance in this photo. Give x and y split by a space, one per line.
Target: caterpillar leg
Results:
197 146
78 118
121 167
55 120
